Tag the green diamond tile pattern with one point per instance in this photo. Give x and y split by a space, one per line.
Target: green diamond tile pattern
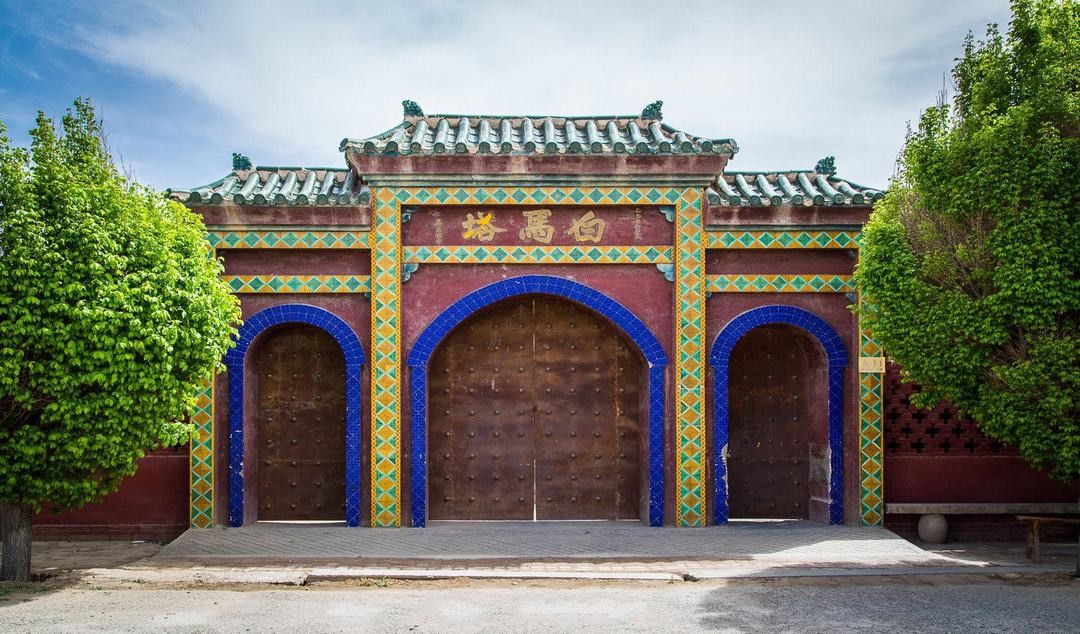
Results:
779 239
299 283
385 360
202 459
511 195
690 344
388 253
538 255
299 238
871 438
779 284
386 300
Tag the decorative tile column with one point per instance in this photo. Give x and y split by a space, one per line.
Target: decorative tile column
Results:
689 360
202 459
871 431
385 363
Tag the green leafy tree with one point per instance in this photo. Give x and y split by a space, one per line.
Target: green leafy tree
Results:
112 315
969 265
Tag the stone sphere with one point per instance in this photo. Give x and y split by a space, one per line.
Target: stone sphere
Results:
933 528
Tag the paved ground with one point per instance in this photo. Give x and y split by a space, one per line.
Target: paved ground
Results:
51 556
856 605
296 555
474 542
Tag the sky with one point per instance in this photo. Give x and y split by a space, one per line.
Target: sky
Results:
183 85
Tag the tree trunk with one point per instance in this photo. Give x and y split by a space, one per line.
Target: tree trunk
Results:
15 522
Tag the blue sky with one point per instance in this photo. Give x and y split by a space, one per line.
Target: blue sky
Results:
183 85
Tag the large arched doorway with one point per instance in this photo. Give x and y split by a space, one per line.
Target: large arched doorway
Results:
535 413
299 425
769 451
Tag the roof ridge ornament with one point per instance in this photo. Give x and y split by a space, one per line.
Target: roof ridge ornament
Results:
652 111
826 166
412 109
240 162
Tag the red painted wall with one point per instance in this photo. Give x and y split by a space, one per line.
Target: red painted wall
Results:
240 215
939 455
153 504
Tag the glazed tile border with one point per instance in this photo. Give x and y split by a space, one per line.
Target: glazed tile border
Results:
354 361
720 359
780 284
690 289
286 239
299 283
538 255
387 257
202 459
385 359
871 435
781 239
690 360
483 297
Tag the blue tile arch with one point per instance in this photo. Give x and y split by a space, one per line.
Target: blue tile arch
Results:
634 328
720 359
354 361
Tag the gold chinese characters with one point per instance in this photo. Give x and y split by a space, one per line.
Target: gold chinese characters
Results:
538 228
587 228
481 227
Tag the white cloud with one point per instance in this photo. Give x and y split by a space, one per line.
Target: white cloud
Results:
790 81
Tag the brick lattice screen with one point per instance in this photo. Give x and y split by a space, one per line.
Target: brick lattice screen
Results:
939 431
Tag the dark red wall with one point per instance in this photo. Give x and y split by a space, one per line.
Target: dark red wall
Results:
625 225
283 215
153 504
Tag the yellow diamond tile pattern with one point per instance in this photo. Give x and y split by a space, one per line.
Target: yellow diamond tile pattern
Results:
689 366
780 239
384 284
388 254
292 238
298 283
385 359
552 195
779 284
871 452
538 255
202 459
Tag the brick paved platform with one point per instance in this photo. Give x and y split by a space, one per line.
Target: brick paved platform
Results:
501 543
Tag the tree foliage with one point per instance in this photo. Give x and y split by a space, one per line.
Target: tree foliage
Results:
969 265
112 316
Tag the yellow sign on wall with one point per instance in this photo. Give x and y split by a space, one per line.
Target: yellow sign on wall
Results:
872 365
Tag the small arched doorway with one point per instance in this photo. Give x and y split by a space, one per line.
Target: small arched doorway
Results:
749 359
771 382
299 425
535 412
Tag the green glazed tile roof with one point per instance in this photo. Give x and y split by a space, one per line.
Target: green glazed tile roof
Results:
452 134
280 186
794 187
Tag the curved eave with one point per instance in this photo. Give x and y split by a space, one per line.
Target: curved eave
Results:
279 186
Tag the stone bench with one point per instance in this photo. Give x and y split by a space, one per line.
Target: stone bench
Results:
933 527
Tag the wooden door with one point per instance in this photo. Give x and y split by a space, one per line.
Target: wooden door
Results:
480 385
300 426
768 448
534 410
